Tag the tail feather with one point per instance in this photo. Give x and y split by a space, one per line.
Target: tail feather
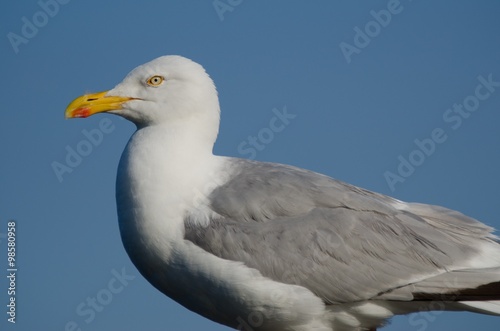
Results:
484 299
487 293
454 286
482 307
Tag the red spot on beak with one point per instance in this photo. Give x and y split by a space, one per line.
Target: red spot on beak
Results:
82 112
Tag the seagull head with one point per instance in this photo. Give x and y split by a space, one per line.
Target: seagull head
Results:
170 90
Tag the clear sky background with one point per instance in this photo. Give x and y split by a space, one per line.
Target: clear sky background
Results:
358 114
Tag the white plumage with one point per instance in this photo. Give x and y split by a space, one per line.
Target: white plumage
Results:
270 246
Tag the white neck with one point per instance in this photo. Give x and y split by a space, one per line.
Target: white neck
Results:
162 175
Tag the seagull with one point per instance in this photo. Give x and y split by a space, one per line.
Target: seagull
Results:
272 247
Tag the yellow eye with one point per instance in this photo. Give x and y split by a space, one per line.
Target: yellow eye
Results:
155 80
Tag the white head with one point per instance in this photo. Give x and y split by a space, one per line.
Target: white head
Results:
171 91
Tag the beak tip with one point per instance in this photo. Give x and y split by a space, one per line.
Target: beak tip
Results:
82 112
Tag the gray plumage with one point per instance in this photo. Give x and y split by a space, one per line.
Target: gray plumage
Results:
343 243
271 245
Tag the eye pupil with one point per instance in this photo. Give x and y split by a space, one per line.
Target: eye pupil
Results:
155 80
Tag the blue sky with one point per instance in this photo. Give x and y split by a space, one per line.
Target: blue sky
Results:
401 98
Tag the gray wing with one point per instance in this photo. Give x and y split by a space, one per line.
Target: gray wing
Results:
343 243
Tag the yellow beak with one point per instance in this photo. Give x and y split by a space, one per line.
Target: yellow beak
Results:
90 104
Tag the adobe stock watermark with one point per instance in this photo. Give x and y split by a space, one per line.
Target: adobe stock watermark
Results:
282 296
223 6
250 147
75 155
454 118
254 144
424 317
363 36
31 26
429 313
91 306
324 247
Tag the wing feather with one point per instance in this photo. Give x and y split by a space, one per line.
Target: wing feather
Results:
343 243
